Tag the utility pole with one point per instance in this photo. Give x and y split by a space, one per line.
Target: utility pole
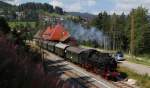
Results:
132 46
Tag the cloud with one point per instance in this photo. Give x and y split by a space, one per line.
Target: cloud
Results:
13 2
95 12
91 2
6 0
127 5
75 7
56 3
79 5
17 2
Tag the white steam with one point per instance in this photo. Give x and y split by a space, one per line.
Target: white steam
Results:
87 34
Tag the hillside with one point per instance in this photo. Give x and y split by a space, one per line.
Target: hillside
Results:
6 6
27 11
83 15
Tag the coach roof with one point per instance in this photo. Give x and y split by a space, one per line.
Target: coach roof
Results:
62 46
77 50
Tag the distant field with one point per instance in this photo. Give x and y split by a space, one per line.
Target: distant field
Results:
17 23
57 15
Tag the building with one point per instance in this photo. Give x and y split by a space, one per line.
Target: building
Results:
56 33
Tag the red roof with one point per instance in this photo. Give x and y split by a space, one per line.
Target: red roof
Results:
47 33
58 33
48 30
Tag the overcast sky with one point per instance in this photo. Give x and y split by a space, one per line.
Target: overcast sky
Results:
94 6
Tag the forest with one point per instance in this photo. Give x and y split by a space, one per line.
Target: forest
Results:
130 32
29 11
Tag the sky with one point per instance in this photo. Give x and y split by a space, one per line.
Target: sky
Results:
93 6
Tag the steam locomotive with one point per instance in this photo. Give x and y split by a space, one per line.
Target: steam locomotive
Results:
102 63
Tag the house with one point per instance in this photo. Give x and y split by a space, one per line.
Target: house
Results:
56 33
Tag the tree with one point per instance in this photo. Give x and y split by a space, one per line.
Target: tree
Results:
132 42
58 10
118 29
140 22
146 39
48 8
102 21
121 25
4 26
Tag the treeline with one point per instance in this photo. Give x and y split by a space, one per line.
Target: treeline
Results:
6 6
39 6
126 32
27 11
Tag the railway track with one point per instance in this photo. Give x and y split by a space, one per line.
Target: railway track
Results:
88 84
121 84
118 84
81 81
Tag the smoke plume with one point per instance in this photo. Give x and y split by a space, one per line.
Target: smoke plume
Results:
86 34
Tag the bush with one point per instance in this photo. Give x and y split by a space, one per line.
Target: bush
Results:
22 71
4 26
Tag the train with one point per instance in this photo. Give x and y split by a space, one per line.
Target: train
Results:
102 63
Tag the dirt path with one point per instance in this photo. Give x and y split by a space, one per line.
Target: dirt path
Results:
138 68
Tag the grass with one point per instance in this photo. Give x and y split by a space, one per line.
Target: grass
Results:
14 24
57 15
143 81
141 59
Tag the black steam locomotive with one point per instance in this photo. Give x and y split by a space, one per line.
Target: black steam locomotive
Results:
102 62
